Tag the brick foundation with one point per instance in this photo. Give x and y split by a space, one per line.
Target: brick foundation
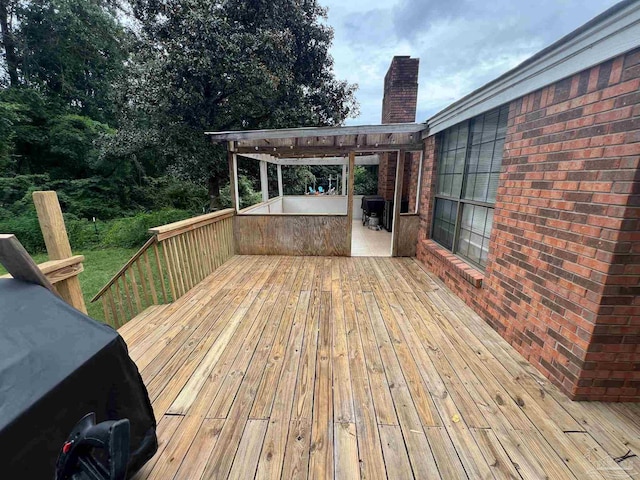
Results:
562 281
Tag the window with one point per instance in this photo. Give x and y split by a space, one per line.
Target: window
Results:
469 164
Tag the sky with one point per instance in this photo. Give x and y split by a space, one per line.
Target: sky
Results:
461 44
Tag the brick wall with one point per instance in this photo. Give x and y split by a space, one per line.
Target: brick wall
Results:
563 273
398 106
387 175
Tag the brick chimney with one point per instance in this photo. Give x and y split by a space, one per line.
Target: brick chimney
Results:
398 106
400 90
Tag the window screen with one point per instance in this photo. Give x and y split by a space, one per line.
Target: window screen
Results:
469 162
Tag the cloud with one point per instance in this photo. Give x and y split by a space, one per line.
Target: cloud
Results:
462 44
411 17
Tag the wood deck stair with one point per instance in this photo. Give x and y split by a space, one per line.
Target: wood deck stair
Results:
311 367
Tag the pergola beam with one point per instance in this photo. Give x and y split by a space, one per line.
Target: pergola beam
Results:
325 151
332 160
306 132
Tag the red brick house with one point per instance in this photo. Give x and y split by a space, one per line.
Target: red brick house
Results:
530 203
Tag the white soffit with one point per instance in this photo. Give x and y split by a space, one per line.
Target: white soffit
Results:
608 35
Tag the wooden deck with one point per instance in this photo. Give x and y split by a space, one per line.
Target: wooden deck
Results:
308 367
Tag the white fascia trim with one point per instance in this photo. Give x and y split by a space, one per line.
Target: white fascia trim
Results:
607 36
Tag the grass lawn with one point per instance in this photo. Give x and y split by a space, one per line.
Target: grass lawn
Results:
99 267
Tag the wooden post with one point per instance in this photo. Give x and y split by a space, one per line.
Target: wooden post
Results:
419 186
264 181
57 242
233 181
343 181
352 163
280 186
397 203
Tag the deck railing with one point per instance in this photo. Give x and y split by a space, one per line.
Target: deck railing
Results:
176 258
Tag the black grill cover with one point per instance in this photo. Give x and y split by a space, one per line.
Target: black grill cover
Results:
57 365
372 204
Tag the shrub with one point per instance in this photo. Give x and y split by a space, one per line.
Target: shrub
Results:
27 229
127 232
132 232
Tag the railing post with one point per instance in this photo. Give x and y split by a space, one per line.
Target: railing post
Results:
57 243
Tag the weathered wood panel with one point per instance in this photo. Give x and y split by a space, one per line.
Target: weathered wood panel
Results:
407 227
324 235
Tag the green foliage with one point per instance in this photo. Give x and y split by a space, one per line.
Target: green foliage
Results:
73 50
127 232
107 102
72 144
295 177
93 197
27 229
8 117
133 231
246 191
225 65
365 180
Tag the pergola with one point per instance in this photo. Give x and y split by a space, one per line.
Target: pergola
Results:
346 146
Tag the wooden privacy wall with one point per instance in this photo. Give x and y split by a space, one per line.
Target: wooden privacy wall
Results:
323 235
178 257
407 225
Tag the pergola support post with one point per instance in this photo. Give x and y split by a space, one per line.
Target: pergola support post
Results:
343 181
397 203
352 163
233 176
280 188
264 181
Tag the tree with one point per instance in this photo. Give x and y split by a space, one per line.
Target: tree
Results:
63 58
74 51
228 64
7 10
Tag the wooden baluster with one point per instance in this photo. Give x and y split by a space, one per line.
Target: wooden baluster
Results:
212 245
112 305
222 241
209 240
229 228
134 287
204 253
107 320
151 277
194 256
127 294
120 303
178 268
185 261
201 254
232 244
161 272
213 233
172 286
143 283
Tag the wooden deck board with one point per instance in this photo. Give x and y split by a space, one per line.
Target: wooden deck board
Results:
307 367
